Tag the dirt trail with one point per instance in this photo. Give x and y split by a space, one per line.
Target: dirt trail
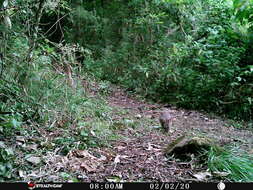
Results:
140 157
139 154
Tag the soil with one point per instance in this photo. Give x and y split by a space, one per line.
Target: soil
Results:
139 156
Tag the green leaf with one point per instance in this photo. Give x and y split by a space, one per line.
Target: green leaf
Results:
84 133
1 2
15 123
9 151
251 68
250 100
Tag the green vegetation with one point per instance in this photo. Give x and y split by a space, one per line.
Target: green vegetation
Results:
192 53
237 165
195 54
39 97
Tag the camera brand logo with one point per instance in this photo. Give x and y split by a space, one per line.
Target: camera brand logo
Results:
31 185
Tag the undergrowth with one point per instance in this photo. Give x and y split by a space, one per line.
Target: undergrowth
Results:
39 108
237 165
191 53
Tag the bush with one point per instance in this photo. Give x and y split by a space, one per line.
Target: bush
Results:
186 53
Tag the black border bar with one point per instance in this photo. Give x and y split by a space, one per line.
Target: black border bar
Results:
128 186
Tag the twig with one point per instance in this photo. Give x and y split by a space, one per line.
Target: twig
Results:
56 23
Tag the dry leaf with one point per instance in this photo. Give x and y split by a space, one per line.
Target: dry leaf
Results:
114 179
102 158
221 174
93 133
20 139
138 116
82 159
2 145
117 159
34 160
149 146
201 176
81 154
88 168
32 147
21 173
120 147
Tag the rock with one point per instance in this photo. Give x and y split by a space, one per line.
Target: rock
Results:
184 145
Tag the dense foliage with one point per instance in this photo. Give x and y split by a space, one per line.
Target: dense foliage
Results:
192 53
39 92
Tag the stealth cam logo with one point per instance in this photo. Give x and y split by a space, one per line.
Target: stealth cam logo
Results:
31 185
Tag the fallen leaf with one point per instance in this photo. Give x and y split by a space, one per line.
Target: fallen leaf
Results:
82 159
114 179
2 145
152 147
9 151
34 160
149 146
149 116
120 147
102 158
155 127
20 139
117 159
47 144
32 147
138 116
81 154
88 168
93 133
21 173
201 176
221 174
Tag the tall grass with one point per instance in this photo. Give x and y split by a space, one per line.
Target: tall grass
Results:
238 165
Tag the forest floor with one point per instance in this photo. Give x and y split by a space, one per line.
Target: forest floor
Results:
138 155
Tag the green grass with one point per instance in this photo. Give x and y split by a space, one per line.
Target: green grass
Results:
238 165
58 117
